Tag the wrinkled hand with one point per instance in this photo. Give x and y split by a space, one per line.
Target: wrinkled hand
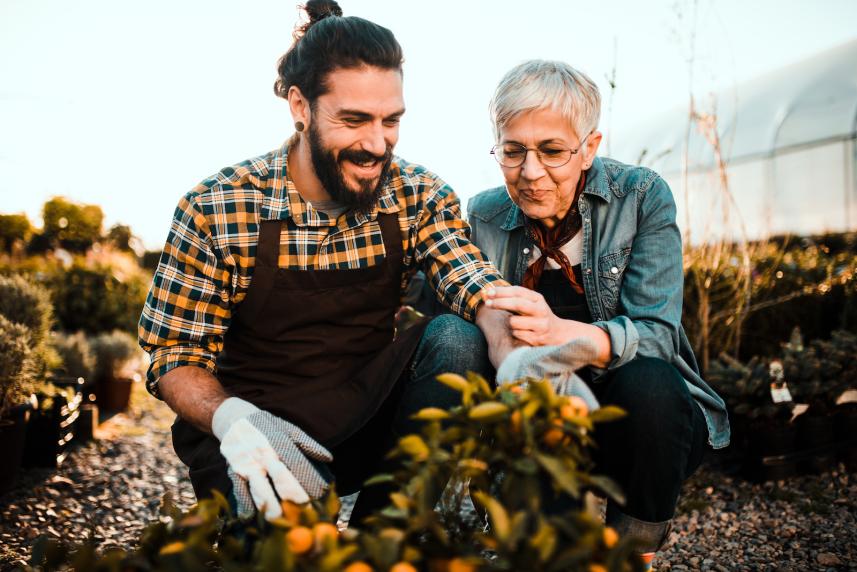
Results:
533 322
257 446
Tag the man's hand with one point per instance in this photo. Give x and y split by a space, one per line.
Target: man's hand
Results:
494 324
258 446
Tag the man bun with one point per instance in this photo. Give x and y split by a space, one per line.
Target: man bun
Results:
316 11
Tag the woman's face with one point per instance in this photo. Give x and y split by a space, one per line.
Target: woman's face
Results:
545 193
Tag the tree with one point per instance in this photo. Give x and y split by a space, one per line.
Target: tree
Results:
72 226
14 228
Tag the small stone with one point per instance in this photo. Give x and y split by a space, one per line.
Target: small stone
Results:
828 559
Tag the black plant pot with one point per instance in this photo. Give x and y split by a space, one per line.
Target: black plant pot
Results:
50 431
815 443
12 437
771 450
845 431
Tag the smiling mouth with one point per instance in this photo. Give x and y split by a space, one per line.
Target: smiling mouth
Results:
534 194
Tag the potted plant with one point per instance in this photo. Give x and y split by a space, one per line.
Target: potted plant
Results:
78 362
760 407
14 398
116 359
51 427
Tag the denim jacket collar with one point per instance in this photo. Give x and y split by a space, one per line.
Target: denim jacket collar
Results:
597 184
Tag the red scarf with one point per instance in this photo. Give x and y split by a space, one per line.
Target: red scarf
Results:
550 242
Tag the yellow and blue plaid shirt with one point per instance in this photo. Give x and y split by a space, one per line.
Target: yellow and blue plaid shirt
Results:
208 260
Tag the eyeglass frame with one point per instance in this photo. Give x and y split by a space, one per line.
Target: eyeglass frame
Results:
526 149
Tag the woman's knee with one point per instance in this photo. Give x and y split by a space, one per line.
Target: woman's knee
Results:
648 389
455 345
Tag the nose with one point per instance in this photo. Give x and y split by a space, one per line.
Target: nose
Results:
374 140
532 168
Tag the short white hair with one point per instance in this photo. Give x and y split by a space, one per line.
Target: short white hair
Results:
542 84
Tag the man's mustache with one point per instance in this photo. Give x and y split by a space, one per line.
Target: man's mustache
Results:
363 156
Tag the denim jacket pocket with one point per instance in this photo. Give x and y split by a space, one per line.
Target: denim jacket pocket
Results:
611 268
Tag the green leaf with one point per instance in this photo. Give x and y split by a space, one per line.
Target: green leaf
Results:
500 523
608 486
430 414
379 479
562 476
488 411
607 413
454 381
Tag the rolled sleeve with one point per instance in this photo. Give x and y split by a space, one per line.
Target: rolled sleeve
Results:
624 342
188 307
457 270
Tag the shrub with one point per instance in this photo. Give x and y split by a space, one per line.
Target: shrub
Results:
97 299
113 352
502 441
24 302
15 355
76 354
14 229
70 225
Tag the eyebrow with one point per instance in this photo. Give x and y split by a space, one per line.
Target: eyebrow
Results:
367 116
543 142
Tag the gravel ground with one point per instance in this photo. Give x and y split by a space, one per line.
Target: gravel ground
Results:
109 489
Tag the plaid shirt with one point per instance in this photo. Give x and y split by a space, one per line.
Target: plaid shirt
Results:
207 263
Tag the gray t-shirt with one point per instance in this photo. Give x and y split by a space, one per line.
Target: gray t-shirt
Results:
331 208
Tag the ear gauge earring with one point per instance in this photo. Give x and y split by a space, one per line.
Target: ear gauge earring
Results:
299 125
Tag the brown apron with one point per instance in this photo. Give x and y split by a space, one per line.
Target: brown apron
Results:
314 347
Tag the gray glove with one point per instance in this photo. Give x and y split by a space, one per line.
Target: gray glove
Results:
557 364
258 445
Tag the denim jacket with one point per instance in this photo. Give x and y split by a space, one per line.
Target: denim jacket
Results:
632 269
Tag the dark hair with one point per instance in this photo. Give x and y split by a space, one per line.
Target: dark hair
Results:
328 42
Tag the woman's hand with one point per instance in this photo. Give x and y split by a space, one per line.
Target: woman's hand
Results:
533 322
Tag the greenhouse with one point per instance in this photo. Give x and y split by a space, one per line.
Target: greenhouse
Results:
787 142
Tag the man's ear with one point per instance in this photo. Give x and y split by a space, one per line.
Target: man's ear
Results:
298 105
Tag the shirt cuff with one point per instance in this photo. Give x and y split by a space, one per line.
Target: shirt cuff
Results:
167 358
624 341
477 298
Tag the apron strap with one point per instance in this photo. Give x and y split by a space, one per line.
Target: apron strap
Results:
391 233
268 251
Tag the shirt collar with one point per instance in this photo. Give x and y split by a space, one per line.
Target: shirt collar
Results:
284 201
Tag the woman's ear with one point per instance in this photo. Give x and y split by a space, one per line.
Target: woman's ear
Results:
592 143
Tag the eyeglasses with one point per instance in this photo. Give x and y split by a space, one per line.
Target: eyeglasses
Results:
551 155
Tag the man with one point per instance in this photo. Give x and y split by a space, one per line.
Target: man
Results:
270 318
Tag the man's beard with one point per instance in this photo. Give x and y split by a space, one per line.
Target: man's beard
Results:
328 169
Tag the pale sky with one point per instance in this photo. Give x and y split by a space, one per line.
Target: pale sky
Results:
129 105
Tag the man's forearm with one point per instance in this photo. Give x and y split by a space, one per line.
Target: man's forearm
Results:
193 393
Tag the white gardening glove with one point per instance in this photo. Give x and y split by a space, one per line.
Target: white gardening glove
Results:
557 364
258 445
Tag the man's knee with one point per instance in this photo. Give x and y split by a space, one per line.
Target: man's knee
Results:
455 345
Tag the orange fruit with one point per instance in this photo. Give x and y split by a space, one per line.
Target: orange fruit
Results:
324 530
403 567
553 437
611 537
291 511
299 539
576 407
358 566
597 568
516 389
460 565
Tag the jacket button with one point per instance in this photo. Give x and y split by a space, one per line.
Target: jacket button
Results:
526 251
614 270
588 271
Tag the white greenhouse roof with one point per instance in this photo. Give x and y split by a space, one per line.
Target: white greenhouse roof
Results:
808 103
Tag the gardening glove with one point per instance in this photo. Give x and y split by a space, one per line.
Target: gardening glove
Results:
257 446
557 364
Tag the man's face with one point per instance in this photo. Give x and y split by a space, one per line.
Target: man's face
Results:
352 132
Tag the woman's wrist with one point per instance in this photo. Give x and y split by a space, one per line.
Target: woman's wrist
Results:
568 330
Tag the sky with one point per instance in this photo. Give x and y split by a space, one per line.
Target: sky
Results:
129 105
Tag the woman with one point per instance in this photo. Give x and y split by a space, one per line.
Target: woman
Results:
594 251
